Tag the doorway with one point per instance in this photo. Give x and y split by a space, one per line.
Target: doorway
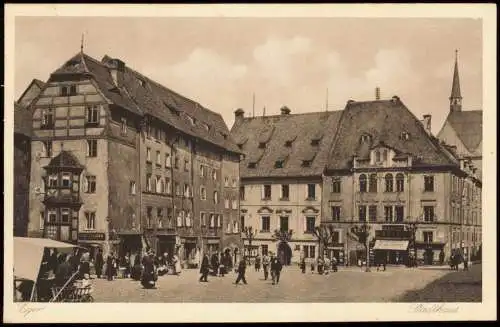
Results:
285 253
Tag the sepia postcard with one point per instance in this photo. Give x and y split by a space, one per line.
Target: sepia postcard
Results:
249 163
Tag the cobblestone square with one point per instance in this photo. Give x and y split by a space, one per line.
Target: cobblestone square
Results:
397 284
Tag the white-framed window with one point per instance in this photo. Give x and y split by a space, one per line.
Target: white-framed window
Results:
90 220
92 115
65 215
226 203
52 180
158 158
123 126
266 192
91 148
310 224
187 191
428 213
148 154
216 197
212 220
428 183
66 180
149 183
132 187
91 184
228 228
311 191
235 182
42 219
168 162
188 219
202 170
51 215
428 236
177 189
203 193
47 149
235 227
226 181
168 185
234 204
47 118
158 183
336 213
203 218
214 174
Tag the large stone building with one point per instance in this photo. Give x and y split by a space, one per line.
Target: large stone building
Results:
281 178
121 162
387 170
22 156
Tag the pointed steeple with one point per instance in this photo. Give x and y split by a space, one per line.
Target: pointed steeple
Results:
456 97
82 57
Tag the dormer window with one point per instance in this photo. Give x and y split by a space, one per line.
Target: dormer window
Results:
288 144
141 82
240 146
224 135
206 126
365 138
252 164
191 119
306 163
262 145
404 136
279 163
315 142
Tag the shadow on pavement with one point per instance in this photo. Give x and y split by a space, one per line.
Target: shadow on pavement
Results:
456 286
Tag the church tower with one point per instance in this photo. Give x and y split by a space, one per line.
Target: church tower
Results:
455 97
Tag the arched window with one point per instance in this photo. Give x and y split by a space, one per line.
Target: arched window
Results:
362 183
400 182
389 183
216 197
373 183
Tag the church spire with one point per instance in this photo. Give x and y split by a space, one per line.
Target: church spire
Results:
456 97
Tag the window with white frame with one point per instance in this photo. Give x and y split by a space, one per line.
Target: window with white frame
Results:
51 215
148 154
388 213
214 175
91 184
132 187
311 191
149 183
66 180
167 160
52 180
168 185
336 213
203 193
92 115
216 197
226 181
235 182
226 203
202 170
91 148
89 220
234 204
158 185
65 214
428 213
429 183
47 149
47 118
235 227
203 218
158 158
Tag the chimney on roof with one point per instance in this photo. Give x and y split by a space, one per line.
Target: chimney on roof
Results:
117 67
427 123
395 98
285 110
239 114
377 93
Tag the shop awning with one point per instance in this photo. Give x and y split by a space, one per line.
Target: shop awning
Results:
397 245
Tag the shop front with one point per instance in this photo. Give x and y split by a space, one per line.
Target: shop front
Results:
130 243
428 253
92 241
189 249
395 252
336 251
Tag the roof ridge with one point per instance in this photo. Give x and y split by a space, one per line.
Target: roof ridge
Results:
297 114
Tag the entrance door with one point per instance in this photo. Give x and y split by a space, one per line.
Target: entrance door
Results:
285 253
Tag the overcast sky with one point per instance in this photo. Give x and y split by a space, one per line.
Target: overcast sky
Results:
221 62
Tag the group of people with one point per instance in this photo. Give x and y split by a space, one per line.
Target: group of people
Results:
225 264
324 265
57 270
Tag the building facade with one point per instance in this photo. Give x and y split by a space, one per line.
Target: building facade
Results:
134 149
388 172
22 157
281 180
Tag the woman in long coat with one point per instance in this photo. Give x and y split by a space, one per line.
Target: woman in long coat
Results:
204 269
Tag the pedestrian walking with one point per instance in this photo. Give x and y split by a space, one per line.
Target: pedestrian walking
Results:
327 265
242 266
334 264
177 265
109 267
276 267
320 265
99 262
265 265
303 265
204 269
466 262
257 263
441 257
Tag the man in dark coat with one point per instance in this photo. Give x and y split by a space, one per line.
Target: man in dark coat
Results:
63 272
99 262
242 267
276 267
204 269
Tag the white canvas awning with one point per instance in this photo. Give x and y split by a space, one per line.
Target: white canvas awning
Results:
396 245
28 253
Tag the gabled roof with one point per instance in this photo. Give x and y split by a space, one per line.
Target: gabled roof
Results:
143 96
384 121
469 127
64 159
275 131
22 120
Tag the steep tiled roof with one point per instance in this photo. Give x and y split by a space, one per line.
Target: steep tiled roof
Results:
39 83
469 127
141 95
384 121
22 120
65 159
299 130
